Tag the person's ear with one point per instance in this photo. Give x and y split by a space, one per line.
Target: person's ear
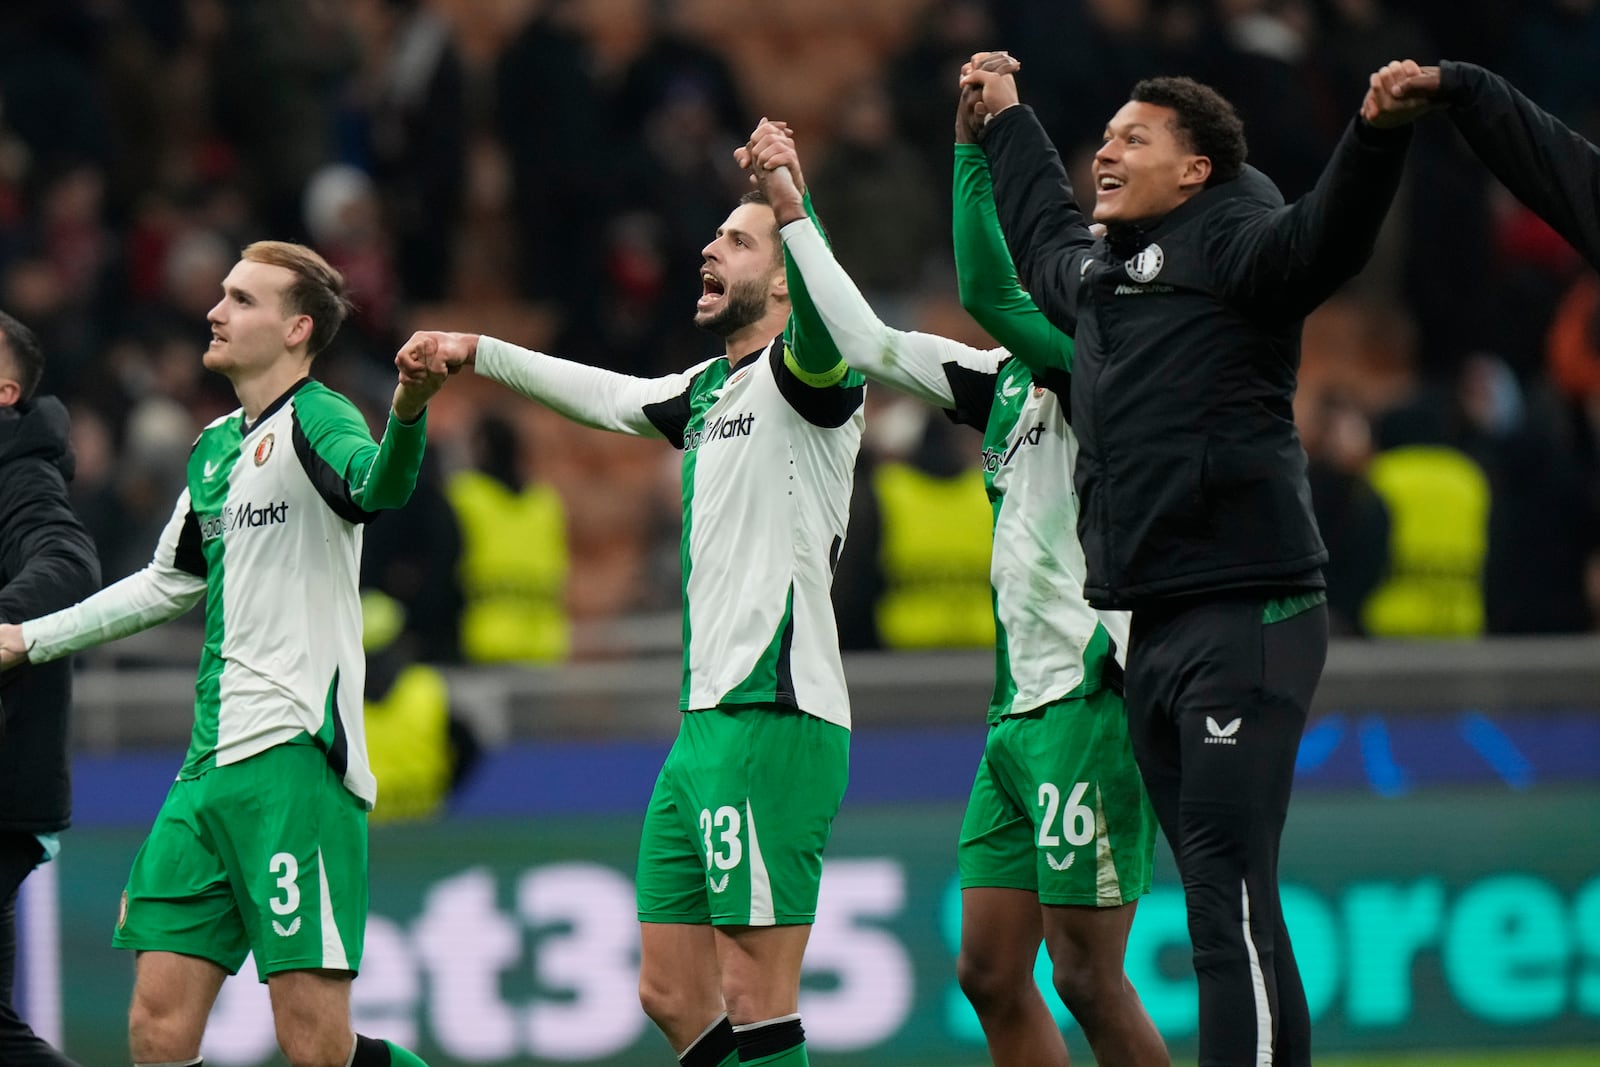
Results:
1196 172
299 331
10 393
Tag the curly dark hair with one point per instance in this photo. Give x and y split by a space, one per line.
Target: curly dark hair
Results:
1206 122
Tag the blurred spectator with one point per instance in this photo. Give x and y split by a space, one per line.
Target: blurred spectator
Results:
420 751
1351 515
413 555
1542 528
922 78
916 563
47 80
94 488
671 64
345 222
678 181
413 93
514 554
1359 36
1262 62
1554 57
1438 500
1083 57
277 70
876 199
549 114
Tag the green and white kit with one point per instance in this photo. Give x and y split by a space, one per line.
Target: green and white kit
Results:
741 812
268 531
274 789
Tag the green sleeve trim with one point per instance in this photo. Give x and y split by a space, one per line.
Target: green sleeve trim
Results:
987 277
817 380
393 474
811 213
1282 608
810 352
376 476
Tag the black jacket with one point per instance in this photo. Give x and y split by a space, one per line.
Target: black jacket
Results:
1191 478
1547 166
47 562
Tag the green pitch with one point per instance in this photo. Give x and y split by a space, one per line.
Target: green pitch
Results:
1497 1058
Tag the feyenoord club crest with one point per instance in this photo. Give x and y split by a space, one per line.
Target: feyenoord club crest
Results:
264 450
1146 265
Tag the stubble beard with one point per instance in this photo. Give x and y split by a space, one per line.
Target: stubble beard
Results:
744 304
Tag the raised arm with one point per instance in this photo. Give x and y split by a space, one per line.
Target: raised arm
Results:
172 583
587 395
1545 164
811 353
914 363
1045 230
987 278
1285 261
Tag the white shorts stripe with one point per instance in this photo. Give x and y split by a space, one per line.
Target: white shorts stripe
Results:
1108 888
333 955
761 913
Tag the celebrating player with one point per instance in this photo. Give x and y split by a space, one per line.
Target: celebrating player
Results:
1195 512
261 845
730 857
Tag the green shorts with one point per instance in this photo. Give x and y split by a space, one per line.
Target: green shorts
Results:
730 774
1059 809
267 855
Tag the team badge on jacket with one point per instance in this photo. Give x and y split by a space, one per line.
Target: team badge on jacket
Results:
1146 265
264 450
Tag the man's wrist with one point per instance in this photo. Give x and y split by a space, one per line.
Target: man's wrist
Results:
1005 115
405 413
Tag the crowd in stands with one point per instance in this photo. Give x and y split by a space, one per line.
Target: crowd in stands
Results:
548 170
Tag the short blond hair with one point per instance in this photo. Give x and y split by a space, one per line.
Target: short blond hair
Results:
318 289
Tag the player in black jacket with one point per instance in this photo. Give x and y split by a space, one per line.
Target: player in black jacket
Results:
1194 507
47 561
1547 166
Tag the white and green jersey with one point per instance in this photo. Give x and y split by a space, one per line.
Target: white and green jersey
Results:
769 450
268 531
1049 643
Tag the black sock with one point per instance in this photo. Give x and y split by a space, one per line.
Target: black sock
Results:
370 1052
758 1041
712 1048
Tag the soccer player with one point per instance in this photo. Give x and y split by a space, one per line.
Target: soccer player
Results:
1550 168
1058 835
261 844
730 856
1194 507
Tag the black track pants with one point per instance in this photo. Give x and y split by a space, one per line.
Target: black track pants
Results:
1217 702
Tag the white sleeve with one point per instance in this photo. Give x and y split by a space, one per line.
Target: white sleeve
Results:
914 363
603 399
165 589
